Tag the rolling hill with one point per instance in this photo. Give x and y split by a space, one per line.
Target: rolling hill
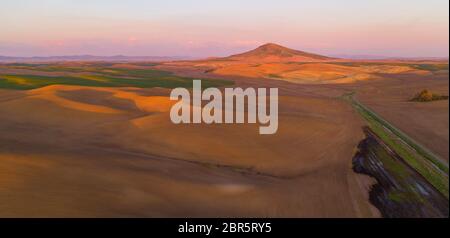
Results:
276 53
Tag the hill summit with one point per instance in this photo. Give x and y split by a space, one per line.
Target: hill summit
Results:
271 52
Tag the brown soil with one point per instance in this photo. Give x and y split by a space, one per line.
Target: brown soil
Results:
75 151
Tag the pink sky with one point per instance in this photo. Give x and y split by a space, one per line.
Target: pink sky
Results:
212 28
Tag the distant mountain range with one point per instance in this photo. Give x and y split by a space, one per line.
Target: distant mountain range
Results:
117 58
266 53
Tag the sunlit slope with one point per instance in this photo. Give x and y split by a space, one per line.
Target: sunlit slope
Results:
316 73
271 61
90 151
276 53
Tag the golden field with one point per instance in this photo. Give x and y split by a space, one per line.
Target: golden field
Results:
101 143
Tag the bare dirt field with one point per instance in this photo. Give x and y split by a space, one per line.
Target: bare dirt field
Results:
426 122
81 151
101 143
387 88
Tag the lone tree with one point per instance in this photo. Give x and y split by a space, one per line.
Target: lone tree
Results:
427 96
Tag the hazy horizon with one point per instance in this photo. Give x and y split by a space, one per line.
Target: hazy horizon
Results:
199 29
187 57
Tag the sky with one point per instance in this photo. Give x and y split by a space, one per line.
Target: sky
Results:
205 28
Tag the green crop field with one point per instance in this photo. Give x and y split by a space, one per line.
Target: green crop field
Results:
419 158
97 75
